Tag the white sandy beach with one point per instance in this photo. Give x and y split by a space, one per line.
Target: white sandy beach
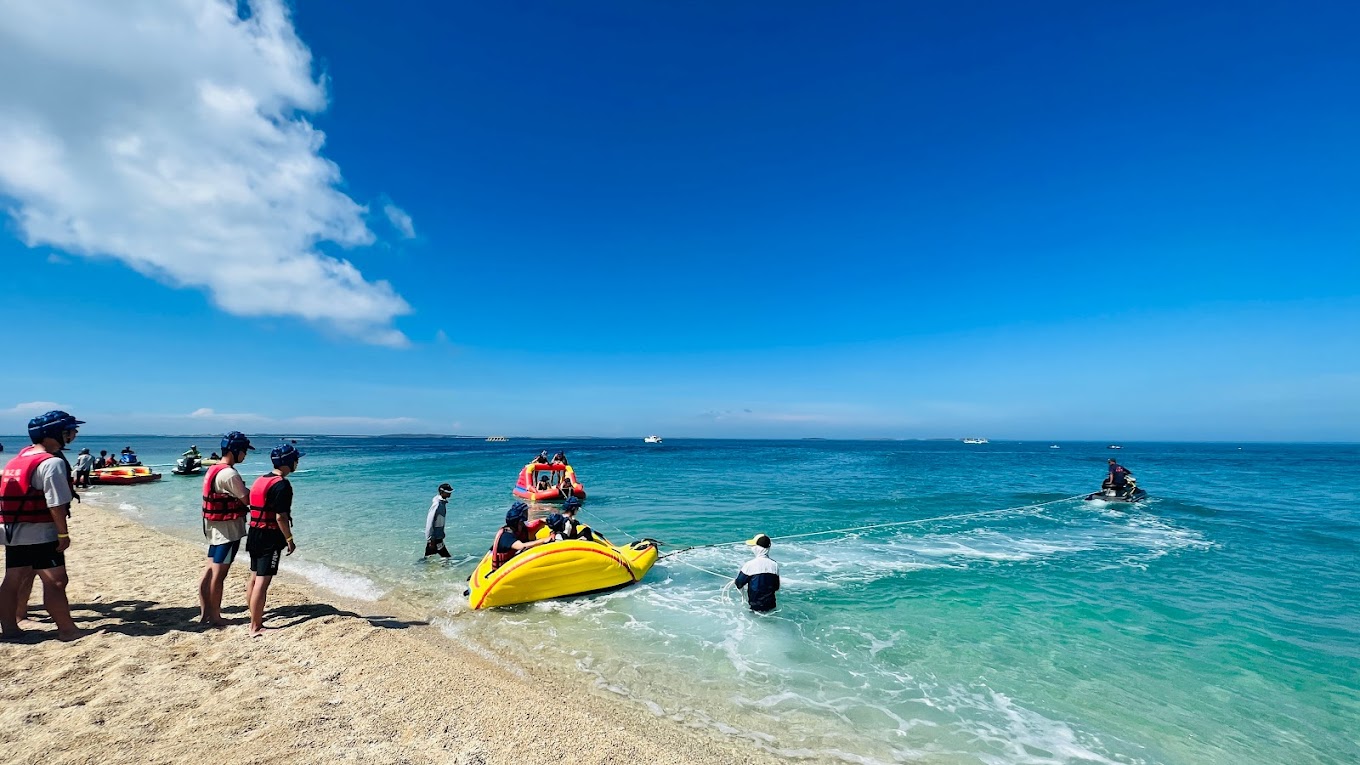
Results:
326 684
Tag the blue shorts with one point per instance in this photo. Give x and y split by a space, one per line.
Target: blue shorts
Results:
224 553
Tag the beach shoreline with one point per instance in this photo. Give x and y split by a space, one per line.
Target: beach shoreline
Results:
333 680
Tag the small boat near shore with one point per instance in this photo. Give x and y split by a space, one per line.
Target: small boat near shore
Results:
531 485
124 475
560 569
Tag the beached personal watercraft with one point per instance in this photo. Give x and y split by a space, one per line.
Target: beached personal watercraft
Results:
557 474
124 475
559 569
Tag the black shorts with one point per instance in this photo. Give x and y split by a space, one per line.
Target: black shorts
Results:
433 546
38 557
265 562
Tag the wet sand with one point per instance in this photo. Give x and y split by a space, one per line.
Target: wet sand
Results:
329 682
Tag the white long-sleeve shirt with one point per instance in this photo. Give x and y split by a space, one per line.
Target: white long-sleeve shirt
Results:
434 520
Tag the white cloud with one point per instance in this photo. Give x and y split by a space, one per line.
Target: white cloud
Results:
15 419
400 220
313 423
209 420
206 413
32 408
169 134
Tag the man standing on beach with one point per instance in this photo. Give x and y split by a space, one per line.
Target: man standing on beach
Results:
35 496
84 463
225 504
434 522
271 528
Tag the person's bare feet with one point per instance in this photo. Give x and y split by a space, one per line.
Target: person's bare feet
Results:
27 624
74 634
12 634
258 631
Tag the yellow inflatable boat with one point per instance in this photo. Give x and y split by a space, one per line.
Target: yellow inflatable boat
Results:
558 569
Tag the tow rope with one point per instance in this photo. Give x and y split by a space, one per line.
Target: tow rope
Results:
851 529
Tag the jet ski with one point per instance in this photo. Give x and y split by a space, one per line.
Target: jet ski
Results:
1108 493
184 466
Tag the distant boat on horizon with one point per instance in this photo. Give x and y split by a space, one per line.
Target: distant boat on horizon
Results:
1055 446
976 441
1114 446
497 439
652 440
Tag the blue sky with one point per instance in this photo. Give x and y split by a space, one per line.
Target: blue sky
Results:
1048 220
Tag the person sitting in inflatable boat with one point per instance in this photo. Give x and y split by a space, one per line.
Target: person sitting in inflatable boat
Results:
516 536
573 529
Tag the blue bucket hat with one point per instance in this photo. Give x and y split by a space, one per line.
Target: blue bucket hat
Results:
236 441
51 425
285 454
518 513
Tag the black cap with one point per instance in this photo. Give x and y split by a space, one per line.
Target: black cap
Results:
445 487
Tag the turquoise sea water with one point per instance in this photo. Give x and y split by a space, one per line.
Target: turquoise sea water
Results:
1216 624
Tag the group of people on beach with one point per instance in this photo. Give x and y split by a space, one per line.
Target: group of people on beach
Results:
36 491
87 463
262 516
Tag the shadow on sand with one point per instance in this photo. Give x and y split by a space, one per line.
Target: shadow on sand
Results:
143 618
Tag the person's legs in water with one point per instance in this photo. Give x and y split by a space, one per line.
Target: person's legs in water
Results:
433 546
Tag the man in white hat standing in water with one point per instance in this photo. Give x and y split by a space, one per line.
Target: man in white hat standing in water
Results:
759 576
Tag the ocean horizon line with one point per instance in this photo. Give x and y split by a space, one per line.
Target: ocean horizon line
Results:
752 439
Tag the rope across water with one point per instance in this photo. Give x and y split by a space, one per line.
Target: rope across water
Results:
913 521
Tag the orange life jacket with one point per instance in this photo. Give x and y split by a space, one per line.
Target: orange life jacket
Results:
217 505
525 534
261 518
21 500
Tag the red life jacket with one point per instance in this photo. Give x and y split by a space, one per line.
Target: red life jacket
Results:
21 500
261 518
220 506
525 534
